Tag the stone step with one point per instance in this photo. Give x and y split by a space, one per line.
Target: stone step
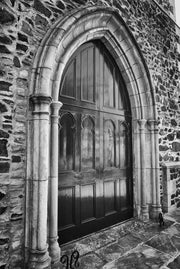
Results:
132 244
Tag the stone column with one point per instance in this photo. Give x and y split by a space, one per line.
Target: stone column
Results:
144 208
156 138
156 207
54 249
39 255
153 171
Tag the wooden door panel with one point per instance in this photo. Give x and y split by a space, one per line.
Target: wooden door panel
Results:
110 197
109 97
88 209
123 193
87 75
67 200
95 182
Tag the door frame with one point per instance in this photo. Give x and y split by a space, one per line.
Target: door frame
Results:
59 43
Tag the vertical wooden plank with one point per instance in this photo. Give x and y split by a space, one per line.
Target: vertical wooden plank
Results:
78 77
68 87
84 75
108 83
90 78
101 79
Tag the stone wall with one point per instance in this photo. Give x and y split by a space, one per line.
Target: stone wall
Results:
23 24
168 6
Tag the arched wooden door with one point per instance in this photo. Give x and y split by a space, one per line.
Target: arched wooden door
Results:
95 165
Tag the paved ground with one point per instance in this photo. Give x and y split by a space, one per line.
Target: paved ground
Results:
131 245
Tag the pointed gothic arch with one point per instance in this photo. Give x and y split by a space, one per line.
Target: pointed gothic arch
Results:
58 45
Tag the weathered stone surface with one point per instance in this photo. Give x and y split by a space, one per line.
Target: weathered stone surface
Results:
4 49
97 240
16 61
16 159
22 37
21 47
176 242
90 261
142 257
26 28
111 252
5 40
174 229
3 147
175 264
6 17
60 4
3 108
151 229
163 147
4 86
2 73
2 194
4 167
176 146
3 209
170 137
39 6
128 242
40 21
163 243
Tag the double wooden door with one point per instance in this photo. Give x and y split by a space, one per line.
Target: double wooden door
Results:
95 166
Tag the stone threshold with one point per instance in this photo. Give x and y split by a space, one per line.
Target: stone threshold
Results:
131 244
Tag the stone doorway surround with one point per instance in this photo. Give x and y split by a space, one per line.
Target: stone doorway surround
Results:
60 42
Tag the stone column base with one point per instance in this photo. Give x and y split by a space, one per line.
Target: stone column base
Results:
155 210
54 251
39 260
144 215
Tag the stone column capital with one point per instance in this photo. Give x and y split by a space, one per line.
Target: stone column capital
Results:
40 99
55 107
40 104
142 123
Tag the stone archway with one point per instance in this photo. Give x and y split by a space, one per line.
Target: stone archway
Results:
60 42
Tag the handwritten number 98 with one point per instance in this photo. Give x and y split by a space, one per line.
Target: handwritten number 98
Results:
73 260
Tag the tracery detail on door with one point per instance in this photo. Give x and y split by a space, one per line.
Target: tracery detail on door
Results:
87 143
109 144
67 142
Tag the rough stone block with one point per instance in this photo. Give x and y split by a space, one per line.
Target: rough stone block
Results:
39 6
4 167
4 86
3 147
6 17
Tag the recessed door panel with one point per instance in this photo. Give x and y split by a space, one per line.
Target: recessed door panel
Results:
67 204
109 144
110 197
95 181
87 202
67 142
